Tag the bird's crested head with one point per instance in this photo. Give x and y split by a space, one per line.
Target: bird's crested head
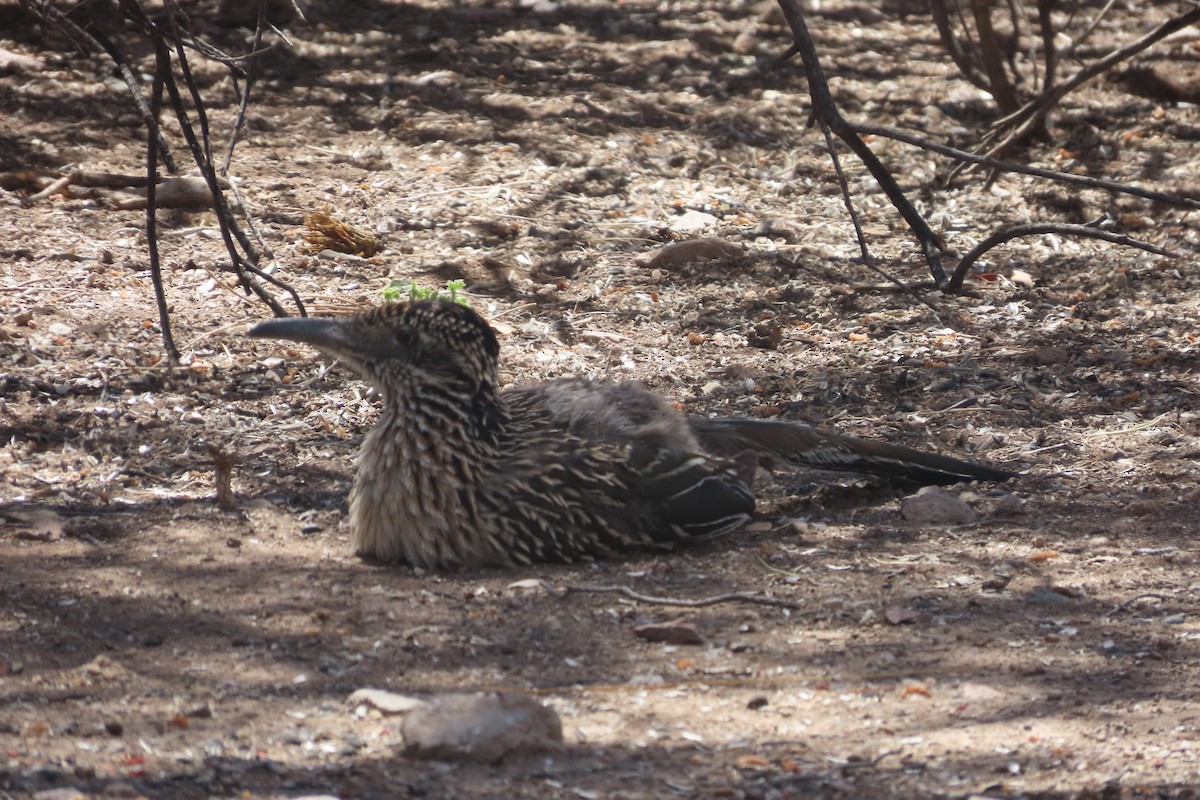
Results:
396 344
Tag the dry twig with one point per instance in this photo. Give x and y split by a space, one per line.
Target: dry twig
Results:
733 597
1119 607
1088 231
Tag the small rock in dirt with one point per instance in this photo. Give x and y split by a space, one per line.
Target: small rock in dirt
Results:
675 632
1046 596
12 62
1142 508
996 584
484 728
1021 278
295 736
1009 506
979 692
527 584
41 525
104 668
647 679
896 615
386 702
755 703
766 335
59 794
693 222
1047 356
932 506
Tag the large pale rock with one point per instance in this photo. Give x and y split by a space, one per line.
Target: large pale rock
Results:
485 728
932 506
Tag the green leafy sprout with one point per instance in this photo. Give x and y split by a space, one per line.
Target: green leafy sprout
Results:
411 290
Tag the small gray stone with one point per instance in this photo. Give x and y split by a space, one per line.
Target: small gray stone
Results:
1046 596
1009 506
485 728
932 506
693 222
60 794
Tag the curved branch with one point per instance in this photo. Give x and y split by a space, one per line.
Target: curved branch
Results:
1086 231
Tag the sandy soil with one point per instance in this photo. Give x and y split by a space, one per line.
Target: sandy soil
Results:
153 644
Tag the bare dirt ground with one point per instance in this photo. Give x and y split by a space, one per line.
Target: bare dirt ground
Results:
152 644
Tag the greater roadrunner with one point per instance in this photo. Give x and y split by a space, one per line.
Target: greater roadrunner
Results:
458 472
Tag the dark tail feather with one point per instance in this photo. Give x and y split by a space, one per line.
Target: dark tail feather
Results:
801 446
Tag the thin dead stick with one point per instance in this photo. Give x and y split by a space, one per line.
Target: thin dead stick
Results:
1088 31
55 187
108 180
1061 229
1046 27
1119 607
1011 166
1141 426
251 74
999 86
733 597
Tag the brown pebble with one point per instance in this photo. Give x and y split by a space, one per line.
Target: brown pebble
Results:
676 632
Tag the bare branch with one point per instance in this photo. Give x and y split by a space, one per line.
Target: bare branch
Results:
625 591
1062 229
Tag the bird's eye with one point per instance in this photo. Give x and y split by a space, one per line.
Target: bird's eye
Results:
404 337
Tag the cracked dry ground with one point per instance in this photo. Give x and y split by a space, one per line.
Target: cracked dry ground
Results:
153 644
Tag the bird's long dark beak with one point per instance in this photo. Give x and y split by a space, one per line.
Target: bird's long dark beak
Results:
321 332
